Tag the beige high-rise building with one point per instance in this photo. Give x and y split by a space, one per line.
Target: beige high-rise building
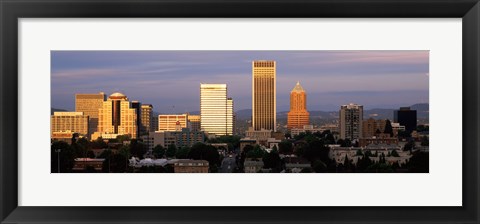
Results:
351 121
89 104
298 115
172 122
69 122
264 100
194 121
146 119
216 110
117 116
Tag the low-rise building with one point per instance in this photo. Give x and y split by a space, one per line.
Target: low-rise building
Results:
191 166
261 135
81 164
247 141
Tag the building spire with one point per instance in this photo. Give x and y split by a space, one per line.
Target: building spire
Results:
298 88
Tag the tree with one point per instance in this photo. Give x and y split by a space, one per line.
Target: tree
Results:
63 152
122 138
182 153
359 152
115 163
158 151
319 166
344 142
272 160
98 144
171 150
394 153
388 128
364 163
418 163
257 152
137 148
90 154
424 141
285 147
200 151
409 146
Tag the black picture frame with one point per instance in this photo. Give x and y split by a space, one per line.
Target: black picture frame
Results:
12 10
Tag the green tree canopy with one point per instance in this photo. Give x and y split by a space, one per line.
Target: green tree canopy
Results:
158 151
63 152
171 151
285 147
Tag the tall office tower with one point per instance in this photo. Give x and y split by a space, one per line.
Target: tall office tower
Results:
350 122
298 115
194 121
407 118
138 110
74 122
117 116
214 106
146 119
230 117
89 104
264 100
168 122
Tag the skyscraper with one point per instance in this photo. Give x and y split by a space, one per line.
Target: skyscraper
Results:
117 116
406 117
89 104
146 119
298 115
350 122
138 110
216 110
264 100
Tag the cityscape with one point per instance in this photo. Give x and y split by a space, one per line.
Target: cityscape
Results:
255 112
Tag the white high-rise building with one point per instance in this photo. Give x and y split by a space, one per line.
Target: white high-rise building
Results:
216 110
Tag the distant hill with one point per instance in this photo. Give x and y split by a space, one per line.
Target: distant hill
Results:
377 113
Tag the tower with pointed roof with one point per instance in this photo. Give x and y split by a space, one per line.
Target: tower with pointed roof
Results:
298 115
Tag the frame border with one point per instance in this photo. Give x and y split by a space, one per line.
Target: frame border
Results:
12 10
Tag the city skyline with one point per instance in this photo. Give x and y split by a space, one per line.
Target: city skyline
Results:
170 79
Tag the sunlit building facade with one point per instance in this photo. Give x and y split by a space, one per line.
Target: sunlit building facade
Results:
69 122
372 126
351 121
89 104
172 122
117 116
195 122
264 102
298 115
216 110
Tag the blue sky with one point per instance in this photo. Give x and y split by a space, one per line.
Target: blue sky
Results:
167 79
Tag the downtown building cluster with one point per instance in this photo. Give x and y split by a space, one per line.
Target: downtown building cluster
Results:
98 116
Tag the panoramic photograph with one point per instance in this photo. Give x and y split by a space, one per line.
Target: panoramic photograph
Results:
252 112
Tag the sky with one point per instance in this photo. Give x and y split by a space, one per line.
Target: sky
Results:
170 80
